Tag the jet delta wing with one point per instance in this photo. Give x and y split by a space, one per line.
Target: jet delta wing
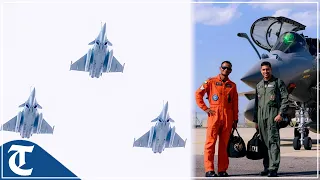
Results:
115 66
80 64
142 141
177 141
294 60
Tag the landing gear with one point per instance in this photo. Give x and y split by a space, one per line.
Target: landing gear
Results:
301 132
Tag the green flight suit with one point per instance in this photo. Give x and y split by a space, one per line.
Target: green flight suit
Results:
271 99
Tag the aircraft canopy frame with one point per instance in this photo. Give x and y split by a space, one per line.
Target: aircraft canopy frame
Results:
265 31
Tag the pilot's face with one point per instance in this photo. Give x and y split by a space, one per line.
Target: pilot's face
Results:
225 69
266 72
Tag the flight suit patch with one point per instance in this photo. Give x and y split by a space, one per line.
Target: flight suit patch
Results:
272 97
202 88
215 97
270 85
218 84
228 85
259 96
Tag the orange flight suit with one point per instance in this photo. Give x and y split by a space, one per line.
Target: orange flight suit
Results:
223 100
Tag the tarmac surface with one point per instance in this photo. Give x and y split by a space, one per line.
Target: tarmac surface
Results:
294 164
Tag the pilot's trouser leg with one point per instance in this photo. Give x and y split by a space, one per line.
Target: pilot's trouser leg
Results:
211 138
269 131
274 145
225 131
264 149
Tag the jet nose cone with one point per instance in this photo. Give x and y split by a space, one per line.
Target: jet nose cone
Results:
166 104
253 76
248 112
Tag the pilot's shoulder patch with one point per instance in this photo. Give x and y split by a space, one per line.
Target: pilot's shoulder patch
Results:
228 85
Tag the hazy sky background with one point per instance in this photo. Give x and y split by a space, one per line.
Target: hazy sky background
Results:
96 120
216 38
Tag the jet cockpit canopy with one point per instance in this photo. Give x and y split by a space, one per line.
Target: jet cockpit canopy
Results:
290 42
266 31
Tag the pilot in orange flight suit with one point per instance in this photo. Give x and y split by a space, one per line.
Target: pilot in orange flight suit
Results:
222 116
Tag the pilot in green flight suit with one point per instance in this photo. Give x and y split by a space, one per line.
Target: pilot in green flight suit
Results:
271 103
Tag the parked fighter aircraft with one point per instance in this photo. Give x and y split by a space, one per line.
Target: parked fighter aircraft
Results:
162 135
293 58
99 58
28 121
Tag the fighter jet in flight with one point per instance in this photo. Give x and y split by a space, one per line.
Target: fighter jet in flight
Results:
162 135
99 58
293 58
29 121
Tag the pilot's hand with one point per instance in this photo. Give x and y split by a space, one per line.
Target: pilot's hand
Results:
210 112
235 124
278 118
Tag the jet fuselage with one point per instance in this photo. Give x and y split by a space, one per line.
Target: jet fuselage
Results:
161 133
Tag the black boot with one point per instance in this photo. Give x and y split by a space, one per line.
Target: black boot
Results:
273 174
223 174
211 174
264 172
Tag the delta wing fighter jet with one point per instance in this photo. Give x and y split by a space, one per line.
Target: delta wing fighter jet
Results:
162 135
99 58
293 58
28 121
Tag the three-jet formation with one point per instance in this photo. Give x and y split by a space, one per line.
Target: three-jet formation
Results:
293 58
161 135
99 58
28 121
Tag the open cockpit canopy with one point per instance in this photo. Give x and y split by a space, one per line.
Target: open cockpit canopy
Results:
266 30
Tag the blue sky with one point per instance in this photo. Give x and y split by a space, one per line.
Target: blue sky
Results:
216 28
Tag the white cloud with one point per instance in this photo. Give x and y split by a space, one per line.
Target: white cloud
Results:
277 6
214 16
307 18
304 13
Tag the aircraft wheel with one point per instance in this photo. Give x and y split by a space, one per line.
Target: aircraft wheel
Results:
296 143
307 143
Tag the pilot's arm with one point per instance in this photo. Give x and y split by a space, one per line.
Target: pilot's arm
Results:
235 103
255 108
284 102
201 91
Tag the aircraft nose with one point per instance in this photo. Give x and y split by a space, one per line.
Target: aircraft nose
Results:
248 112
253 76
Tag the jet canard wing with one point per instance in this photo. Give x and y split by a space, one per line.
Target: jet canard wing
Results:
249 95
266 30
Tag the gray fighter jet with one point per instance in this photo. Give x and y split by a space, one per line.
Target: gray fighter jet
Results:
293 57
29 121
162 135
99 58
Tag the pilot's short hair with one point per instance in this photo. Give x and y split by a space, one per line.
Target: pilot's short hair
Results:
266 63
226 62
